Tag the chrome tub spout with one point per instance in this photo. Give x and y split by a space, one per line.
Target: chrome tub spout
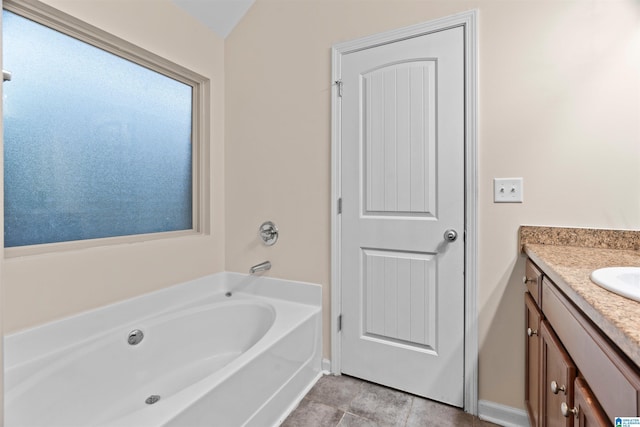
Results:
263 266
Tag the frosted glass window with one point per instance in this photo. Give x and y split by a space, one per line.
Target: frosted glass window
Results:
94 145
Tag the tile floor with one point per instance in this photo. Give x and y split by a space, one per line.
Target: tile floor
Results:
349 402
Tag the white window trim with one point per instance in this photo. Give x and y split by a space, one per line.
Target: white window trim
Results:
69 25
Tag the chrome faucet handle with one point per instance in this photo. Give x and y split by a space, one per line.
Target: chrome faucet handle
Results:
268 232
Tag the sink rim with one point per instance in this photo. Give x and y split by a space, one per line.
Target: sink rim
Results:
609 278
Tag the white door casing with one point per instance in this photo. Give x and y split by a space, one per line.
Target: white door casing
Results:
399 155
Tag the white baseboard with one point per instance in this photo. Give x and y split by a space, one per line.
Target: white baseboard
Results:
326 365
502 415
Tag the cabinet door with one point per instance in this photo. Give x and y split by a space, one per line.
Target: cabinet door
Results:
558 375
532 359
587 411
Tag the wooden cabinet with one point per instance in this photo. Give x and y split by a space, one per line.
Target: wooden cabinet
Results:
532 354
586 409
533 281
575 376
556 382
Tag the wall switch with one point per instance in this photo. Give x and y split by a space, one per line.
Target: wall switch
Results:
507 190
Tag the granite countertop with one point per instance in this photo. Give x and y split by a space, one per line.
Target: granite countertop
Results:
569 267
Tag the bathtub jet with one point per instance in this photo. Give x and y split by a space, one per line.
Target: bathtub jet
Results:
135 337
152 399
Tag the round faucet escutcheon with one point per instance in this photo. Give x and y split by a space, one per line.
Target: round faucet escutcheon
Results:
268 232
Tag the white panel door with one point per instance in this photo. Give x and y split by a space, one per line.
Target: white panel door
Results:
402 189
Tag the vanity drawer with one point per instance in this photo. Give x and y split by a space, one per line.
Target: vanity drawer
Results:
614 381
533 281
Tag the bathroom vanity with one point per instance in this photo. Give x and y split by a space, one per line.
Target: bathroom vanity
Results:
582 343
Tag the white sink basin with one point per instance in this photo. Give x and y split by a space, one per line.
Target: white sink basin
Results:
623 281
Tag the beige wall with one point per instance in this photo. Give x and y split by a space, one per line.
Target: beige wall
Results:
559 106
41 288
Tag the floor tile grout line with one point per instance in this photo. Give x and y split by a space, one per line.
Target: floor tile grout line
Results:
406 419
361 417
360 387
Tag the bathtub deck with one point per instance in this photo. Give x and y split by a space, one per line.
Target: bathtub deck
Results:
346 401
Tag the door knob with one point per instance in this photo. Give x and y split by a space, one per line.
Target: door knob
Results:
450 235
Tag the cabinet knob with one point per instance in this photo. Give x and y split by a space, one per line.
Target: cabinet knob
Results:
564 408
526 280
555 388
531 332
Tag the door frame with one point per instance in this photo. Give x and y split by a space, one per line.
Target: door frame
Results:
469 21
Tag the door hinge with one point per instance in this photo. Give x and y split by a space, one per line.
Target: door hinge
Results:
339 205
339 322
6 76
339 85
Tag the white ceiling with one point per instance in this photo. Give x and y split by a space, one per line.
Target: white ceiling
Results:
219 15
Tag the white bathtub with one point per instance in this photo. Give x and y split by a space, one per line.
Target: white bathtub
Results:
213 360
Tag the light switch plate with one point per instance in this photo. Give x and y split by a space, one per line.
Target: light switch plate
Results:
507 190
